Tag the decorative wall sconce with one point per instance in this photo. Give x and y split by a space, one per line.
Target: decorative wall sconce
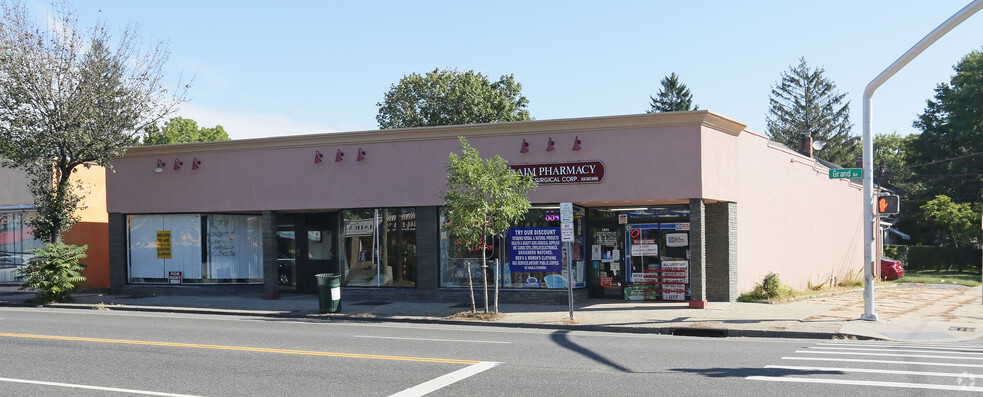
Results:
195 164
525 147
549 146
160 166
177 164
318 156
576 143
339 155
361 155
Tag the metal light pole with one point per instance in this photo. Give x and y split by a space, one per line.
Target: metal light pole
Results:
868 145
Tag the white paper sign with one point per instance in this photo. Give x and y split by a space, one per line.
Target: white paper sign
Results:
595 252
677 239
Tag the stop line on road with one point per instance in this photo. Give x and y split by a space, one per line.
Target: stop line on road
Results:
955 367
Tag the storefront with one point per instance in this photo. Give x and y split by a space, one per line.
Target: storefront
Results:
656 213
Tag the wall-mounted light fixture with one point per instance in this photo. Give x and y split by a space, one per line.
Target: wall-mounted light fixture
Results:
318 156
339 155
177 164
549 146
160 166
525 147
576 143
195 164
361 155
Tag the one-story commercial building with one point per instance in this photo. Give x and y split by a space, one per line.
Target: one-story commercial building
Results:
683 206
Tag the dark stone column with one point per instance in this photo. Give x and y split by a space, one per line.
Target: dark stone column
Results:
697 262
721 251
427 251
270 270
117 253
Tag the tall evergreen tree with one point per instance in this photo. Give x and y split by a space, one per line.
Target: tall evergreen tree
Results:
673 97
948 155
805 100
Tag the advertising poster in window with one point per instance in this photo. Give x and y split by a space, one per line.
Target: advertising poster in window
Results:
534 249
675 275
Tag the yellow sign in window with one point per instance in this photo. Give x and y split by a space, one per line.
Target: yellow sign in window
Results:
163 244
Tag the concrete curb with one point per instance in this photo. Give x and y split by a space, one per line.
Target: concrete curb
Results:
297 314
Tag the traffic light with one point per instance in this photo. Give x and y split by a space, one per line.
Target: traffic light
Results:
888 205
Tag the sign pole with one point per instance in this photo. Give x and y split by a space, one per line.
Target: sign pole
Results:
566 232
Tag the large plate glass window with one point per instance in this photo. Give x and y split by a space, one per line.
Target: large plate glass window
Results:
379 247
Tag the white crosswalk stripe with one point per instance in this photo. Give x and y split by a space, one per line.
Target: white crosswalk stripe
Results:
944 367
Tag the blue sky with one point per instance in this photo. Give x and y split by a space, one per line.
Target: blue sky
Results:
269 68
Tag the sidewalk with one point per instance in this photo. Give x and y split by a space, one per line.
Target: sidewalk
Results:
936 313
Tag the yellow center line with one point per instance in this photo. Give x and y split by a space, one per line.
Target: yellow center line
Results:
241 348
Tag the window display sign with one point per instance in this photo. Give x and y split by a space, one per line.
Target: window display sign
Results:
562 173
163 244
644 247
675 275
534 249
677 239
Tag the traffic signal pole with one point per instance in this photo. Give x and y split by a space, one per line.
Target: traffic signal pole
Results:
868 146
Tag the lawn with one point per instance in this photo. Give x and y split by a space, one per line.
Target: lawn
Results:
942 277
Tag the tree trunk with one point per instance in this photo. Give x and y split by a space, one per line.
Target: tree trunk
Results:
484 273
471 288
496 285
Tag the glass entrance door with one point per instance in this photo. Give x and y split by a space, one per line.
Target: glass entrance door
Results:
305 247
642 262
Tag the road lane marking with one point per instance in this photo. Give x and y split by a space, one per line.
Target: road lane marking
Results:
889 355
855 360
241 348
443 381
866 383
910 346
427 339
874 371
924 350
100 388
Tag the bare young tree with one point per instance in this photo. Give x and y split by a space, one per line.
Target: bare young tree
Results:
71 97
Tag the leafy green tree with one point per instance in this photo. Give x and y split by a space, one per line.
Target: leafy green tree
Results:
805 100
891 165
483 198
673 97
182 130
958 223
448 97
53 271
948 155
71 98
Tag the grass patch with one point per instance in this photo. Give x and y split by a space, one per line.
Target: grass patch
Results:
943 277
480 316
770 289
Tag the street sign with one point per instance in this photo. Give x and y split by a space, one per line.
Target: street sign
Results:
845 173
566 212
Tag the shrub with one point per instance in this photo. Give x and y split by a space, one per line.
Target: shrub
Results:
770 288
53 271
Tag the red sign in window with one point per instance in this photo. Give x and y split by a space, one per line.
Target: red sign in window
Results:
607 281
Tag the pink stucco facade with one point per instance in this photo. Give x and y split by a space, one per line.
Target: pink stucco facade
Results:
791 219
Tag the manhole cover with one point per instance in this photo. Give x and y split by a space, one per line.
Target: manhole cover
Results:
962 329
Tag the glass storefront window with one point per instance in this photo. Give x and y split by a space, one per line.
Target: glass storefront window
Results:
16 241
456 259
379 247
195 249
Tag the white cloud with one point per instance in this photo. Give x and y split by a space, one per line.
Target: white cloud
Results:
244 124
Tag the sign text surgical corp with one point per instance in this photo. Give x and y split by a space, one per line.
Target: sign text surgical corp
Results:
560 173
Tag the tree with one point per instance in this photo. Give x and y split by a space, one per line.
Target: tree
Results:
673 97
957 222
483 198
805 100
891 166
182 130
70 98
948 155
448 97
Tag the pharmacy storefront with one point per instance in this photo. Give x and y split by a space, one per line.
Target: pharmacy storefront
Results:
655 204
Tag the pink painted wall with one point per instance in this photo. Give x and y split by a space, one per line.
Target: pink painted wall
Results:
641 163
793 220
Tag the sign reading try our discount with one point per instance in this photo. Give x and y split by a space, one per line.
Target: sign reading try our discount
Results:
534 249
845 173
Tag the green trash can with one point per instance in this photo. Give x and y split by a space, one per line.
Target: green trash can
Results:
329 292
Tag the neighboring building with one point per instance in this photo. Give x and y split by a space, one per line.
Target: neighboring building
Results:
17 207
668 206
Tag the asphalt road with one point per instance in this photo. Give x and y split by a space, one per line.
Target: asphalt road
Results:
100 353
